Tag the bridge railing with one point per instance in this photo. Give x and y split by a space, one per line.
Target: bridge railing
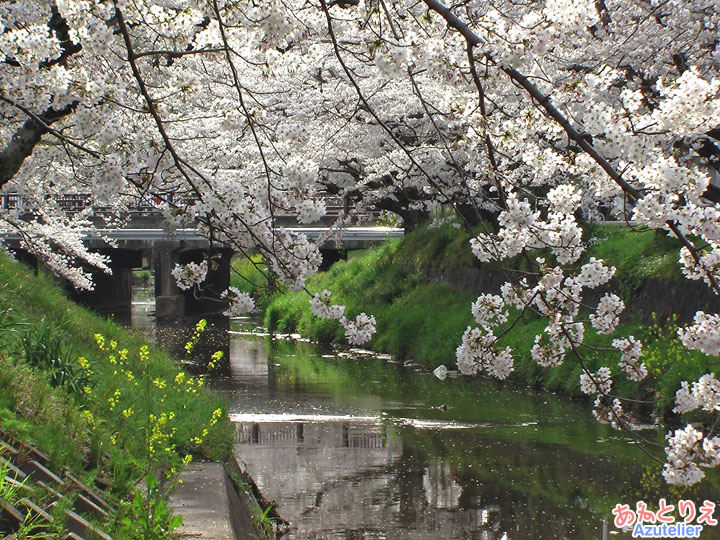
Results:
147 206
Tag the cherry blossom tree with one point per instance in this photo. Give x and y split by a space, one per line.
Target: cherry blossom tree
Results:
518 115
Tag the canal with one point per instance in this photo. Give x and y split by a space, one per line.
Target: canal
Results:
351 446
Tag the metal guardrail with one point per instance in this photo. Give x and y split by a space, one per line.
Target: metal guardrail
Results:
357 234
73 203
363 234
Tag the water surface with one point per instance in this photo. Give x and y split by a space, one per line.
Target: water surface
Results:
354 447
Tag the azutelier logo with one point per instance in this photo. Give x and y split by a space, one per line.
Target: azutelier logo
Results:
663 523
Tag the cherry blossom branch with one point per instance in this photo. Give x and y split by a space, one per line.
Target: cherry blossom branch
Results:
580 139
179 54
179 162
25 139
246 112
372 112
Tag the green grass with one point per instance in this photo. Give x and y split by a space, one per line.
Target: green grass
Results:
123 410
248 275
251 276
637 256
424 321
142 275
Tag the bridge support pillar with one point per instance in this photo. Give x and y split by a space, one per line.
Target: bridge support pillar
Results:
169 299
113 292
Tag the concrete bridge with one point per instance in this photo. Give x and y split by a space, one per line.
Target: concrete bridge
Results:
143 243
160 251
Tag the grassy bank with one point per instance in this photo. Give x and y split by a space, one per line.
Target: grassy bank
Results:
423 319
100 402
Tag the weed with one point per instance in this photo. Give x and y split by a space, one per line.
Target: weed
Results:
44 347
150 519
121 407
8 490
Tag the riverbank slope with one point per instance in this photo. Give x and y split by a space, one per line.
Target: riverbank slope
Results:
104 407
420 288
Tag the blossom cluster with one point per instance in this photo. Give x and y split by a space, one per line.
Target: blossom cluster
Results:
321 307
190 274
238 302
704 335
688 450
704 394
360 329
357 331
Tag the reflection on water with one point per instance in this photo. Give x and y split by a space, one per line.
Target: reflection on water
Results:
357 448
142 308
173 336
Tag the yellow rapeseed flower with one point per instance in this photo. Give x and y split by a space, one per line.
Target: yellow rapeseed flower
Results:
217 413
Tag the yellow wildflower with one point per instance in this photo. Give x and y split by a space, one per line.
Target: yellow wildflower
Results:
217 413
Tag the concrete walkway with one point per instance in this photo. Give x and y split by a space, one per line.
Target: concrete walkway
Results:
210 506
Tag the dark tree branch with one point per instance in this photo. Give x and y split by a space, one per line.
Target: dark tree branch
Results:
25 139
